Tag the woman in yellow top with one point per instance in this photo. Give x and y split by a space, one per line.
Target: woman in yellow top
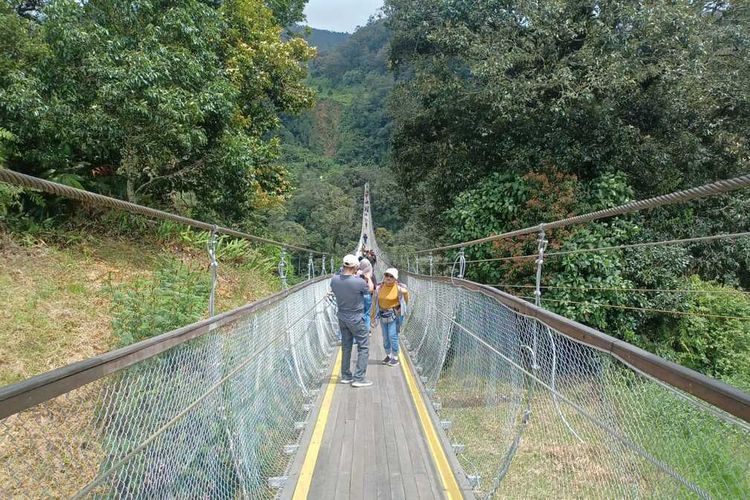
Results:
389 305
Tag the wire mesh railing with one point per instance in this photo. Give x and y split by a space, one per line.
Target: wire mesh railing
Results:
214 410
533 411
369 241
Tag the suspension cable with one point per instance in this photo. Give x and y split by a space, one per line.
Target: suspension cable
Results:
615 289
714 188
645 309
621 247
27 181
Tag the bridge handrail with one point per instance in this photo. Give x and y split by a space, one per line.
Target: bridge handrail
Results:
20 396
712 391
719 187
28 181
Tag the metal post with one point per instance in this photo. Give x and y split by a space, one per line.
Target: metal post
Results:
430 264
461 263
212 243
323 266
310 266
282 269
542 246
408 264
332 266
416 264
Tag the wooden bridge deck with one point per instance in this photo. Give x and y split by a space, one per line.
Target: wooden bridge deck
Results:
374 444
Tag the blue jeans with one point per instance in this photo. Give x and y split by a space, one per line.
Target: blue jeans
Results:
351 333
368 304
390 336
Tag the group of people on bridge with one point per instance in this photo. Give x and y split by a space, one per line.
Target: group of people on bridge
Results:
361 304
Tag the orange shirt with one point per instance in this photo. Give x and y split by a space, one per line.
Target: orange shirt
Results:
388 298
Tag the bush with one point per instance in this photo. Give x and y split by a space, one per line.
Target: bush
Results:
719 347
174 297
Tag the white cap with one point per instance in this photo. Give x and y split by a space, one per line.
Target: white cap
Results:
350 261
392 271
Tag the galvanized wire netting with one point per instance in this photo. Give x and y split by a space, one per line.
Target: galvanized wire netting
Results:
371 243
532 413
218 416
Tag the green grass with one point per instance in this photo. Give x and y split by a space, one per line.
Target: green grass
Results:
551 461
58 293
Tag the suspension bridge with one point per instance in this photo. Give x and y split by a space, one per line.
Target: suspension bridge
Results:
496 397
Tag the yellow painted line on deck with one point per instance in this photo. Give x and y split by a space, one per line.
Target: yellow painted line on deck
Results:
311 457
447 478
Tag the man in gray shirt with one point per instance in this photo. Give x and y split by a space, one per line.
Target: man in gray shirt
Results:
350 290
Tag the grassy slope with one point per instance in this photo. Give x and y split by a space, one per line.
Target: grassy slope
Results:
57 299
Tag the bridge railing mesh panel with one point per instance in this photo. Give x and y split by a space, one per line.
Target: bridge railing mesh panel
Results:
215 417
533 413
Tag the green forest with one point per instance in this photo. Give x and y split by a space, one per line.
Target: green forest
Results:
466 118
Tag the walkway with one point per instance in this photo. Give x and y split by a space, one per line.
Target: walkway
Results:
373 445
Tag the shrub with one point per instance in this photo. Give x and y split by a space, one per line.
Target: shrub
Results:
719 347
175 296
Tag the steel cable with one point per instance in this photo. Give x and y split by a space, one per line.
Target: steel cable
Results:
621 247
645 309
27 181
713 188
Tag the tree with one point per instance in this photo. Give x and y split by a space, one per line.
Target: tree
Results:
658 90
155 97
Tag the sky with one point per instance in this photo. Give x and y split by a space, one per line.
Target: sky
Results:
340 15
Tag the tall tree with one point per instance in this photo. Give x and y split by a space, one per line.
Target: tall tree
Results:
160 99
659 90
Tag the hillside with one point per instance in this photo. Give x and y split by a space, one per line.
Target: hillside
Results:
71 293
343 142
323 40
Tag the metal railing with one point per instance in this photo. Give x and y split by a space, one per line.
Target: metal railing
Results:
211 410
536 405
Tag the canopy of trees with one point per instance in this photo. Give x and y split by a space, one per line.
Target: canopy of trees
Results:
507 114
658 90
159 102
343 143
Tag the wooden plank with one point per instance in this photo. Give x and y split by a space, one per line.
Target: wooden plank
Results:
342 485
371 487
380 466
306 438
410 486
394 466
425 487
343 481
324 479
382 472
374 447
418 450
402 407
359 441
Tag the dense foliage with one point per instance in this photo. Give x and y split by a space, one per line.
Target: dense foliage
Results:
510 114
341 144
466 119
164 103
658 90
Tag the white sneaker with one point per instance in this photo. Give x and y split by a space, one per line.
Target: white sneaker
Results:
362 383
346 380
